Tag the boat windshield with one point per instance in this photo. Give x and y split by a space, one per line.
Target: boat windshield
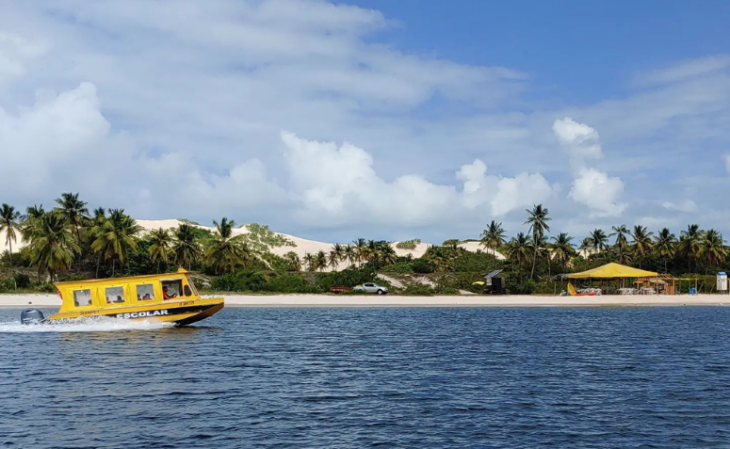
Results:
195 290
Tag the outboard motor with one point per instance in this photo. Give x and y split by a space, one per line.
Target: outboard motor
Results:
31 316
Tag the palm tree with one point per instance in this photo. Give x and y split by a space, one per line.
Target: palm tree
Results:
689 244
665 245
99 215
350 254
74 210
333 260
586 246
519 249
337 254
320 260
360 245
598 240
160 244
10 223
540 248
225 251
115 237
493 237
562 249
643 244
713 247
387 254
309 261
185 248
371 252
621 243
52 244
295 264
537 218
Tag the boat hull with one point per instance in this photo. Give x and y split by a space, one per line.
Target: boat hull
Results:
182 313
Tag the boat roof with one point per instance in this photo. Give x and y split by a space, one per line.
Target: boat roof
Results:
180 271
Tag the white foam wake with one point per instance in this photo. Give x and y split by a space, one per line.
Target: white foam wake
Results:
90 324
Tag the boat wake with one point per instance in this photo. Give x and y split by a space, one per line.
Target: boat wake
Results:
91 324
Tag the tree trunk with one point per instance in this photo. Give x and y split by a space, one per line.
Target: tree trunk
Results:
78 239
113 266
534 258
549 268
98 262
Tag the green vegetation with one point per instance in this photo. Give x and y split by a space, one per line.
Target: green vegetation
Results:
260 238
69 242
408 244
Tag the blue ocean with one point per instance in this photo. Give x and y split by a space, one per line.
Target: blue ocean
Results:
650 377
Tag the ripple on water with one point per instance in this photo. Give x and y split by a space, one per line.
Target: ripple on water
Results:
407 377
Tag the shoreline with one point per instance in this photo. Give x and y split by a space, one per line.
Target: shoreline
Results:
314 300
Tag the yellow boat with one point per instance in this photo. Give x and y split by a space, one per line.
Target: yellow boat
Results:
169 297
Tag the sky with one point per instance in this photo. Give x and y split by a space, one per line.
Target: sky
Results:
371 118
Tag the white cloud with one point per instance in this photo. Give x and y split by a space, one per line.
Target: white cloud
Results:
339 185
579 139
682 206
15 53
599 192
687 70
726 159
140 93
591 187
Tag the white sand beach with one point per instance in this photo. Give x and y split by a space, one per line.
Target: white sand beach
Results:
37 300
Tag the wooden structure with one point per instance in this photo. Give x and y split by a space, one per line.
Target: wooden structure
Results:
663 284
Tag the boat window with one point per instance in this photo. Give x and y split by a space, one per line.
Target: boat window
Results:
82 298
188 292
145 292
171 289
114 295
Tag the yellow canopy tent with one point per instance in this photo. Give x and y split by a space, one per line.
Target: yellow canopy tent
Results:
613 271
609 271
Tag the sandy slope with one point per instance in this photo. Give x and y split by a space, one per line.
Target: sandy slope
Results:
33 300
303 246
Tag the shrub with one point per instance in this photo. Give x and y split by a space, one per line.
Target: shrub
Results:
408 244
291 284
45 287
418 290
404 267
18 259
422 266
346 278
239 282
515 287
22 280
7 285
260 238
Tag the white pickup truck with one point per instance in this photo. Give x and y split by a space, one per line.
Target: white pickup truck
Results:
371 287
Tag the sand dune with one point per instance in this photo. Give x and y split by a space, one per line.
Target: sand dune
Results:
301 248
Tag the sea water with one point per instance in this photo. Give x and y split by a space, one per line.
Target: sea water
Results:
366 377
